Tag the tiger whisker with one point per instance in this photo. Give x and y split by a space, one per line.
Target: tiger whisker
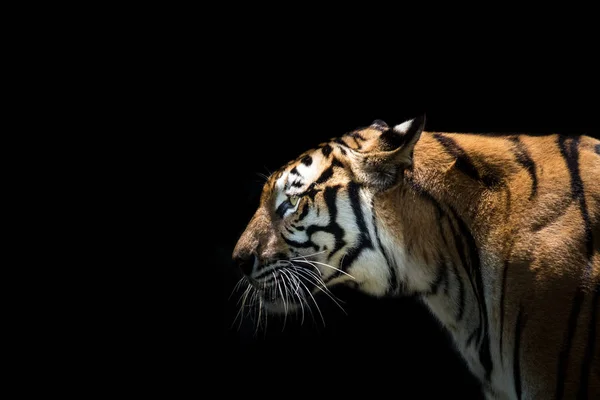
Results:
319 284
241 308
282 299
314 301
236 287
260 306
268 171
252 302
333 298
285 288
244 295
308 255
326 265
292 278
317 279
303 290
288 283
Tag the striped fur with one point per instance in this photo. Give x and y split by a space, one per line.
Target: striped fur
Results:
499 236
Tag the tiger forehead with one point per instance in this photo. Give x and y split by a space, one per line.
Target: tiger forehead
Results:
305 168
301 172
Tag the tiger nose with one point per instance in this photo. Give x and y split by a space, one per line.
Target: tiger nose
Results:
245 263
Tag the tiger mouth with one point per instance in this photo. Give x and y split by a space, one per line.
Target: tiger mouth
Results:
274 286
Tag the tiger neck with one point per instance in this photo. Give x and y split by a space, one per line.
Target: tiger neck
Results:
435 256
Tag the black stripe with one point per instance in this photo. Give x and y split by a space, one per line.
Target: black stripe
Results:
590 348
326 150
341 142
523 158
337 163
441 276
472 336
393 278
474 261
442 267
563 359
311 191
307 160
300 245
363 241
464 162
503 293
330 195
461 293
325 175
459 245
516 353
597 148
461 303
446 281
571 156
328 173
303 213
441 230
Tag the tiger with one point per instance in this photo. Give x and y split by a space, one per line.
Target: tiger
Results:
497 234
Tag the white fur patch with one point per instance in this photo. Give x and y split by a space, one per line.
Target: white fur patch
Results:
280 195
310 173
404 127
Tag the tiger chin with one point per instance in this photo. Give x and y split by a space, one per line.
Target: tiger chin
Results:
499 235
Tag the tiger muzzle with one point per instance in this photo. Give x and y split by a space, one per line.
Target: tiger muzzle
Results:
245 262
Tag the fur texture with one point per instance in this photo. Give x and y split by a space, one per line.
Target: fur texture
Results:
499 236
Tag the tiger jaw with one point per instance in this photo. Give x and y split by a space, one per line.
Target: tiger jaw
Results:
292 286
284 291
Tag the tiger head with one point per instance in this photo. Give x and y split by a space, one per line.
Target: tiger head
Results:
314 226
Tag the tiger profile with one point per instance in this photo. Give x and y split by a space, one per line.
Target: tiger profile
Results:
499 235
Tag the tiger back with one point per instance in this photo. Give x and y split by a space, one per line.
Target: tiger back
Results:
499 235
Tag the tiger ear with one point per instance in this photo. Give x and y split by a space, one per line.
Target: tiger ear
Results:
402 138
392 153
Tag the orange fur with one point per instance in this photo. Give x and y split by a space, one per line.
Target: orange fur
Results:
532 206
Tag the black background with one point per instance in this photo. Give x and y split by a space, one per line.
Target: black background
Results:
381 344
